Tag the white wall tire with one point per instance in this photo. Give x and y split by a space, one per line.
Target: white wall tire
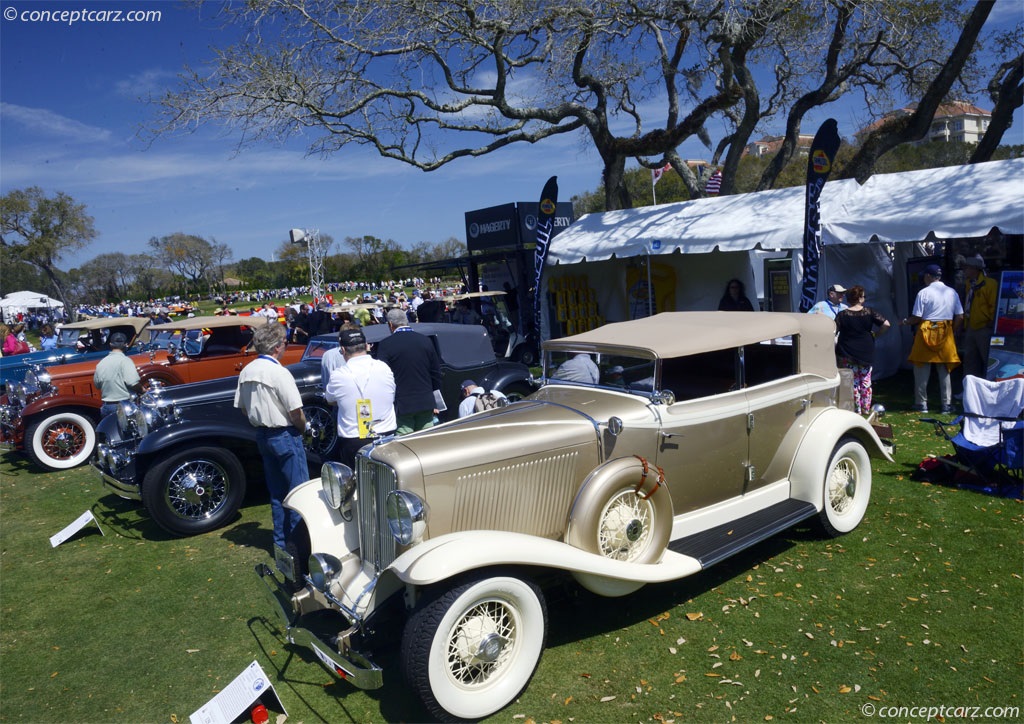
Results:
846 488
60 440
468 652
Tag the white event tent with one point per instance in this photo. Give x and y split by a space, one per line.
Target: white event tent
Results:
695 247
26 302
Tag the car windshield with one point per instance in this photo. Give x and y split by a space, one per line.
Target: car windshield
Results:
68 337
616 371
163 338
316 348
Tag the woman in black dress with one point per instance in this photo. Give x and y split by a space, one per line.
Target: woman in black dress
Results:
855 348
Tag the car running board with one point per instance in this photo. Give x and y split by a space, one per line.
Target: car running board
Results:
716 544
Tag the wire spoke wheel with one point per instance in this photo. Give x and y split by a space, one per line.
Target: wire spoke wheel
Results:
625 526
197 488
481 643
846 488
194 491
468 651
60 441
842 485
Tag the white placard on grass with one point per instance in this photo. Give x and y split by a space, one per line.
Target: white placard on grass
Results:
80 522
238 697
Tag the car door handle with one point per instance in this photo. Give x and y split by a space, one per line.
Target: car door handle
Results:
667 435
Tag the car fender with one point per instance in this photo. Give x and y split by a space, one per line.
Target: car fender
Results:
328 531
500 378
815 450
87 403
208 432
163 372
449 555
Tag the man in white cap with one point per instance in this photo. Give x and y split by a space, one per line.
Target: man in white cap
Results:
980 294
832 304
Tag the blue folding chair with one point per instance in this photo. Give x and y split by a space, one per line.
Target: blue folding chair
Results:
988 441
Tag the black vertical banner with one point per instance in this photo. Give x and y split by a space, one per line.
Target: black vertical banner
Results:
819 165
546 211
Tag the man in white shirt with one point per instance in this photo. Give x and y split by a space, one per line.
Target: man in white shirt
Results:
832 304
268 395
364 390
473 392
580 368
938 315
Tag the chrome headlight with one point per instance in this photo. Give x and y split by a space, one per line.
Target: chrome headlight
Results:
339 484
132 420
21 393
407 517
38 377
323 567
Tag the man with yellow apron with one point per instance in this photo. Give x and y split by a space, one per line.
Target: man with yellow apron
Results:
938 316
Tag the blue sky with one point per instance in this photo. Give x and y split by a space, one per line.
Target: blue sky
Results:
71 110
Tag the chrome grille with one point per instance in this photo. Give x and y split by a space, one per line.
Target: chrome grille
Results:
373 483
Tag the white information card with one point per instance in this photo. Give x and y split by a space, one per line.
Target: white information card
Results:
83 520
237 697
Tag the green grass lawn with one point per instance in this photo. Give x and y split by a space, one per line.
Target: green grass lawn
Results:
920 606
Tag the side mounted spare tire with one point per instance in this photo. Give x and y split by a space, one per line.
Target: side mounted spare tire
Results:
623 511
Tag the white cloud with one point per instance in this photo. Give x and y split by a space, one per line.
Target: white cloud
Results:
151 82
44 122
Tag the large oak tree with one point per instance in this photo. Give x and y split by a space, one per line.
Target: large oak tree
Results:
428 83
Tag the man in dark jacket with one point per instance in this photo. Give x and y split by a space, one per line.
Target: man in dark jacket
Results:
417 369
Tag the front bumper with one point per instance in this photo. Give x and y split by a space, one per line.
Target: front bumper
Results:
340 659
122 484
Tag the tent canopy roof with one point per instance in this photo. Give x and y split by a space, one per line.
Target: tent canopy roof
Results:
29 299
957 201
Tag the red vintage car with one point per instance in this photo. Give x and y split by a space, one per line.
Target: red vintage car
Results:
52 415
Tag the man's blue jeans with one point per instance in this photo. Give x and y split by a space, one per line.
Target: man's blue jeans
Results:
284 465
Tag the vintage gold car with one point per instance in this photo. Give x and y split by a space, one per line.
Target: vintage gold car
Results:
653 449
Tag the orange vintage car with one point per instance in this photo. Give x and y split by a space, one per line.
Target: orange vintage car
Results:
52 415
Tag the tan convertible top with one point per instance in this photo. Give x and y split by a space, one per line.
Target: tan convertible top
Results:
213 322
677 334
137 323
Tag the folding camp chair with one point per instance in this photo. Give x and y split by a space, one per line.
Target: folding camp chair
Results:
989 440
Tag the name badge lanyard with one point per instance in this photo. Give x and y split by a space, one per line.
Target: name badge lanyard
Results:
364 408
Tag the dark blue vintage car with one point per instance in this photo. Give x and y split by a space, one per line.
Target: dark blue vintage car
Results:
188 455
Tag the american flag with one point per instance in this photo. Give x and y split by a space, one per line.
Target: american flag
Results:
714 184
657 172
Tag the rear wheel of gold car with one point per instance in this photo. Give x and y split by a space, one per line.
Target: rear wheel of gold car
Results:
469 651
846 488
194 491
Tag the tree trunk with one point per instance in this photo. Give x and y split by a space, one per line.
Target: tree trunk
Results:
915 126
1008 94
616 195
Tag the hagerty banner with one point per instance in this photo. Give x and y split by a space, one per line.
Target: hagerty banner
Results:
546 210
819 165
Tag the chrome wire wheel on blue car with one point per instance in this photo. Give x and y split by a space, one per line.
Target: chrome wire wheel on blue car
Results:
194 491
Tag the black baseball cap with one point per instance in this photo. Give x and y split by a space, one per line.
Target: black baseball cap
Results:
351 337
